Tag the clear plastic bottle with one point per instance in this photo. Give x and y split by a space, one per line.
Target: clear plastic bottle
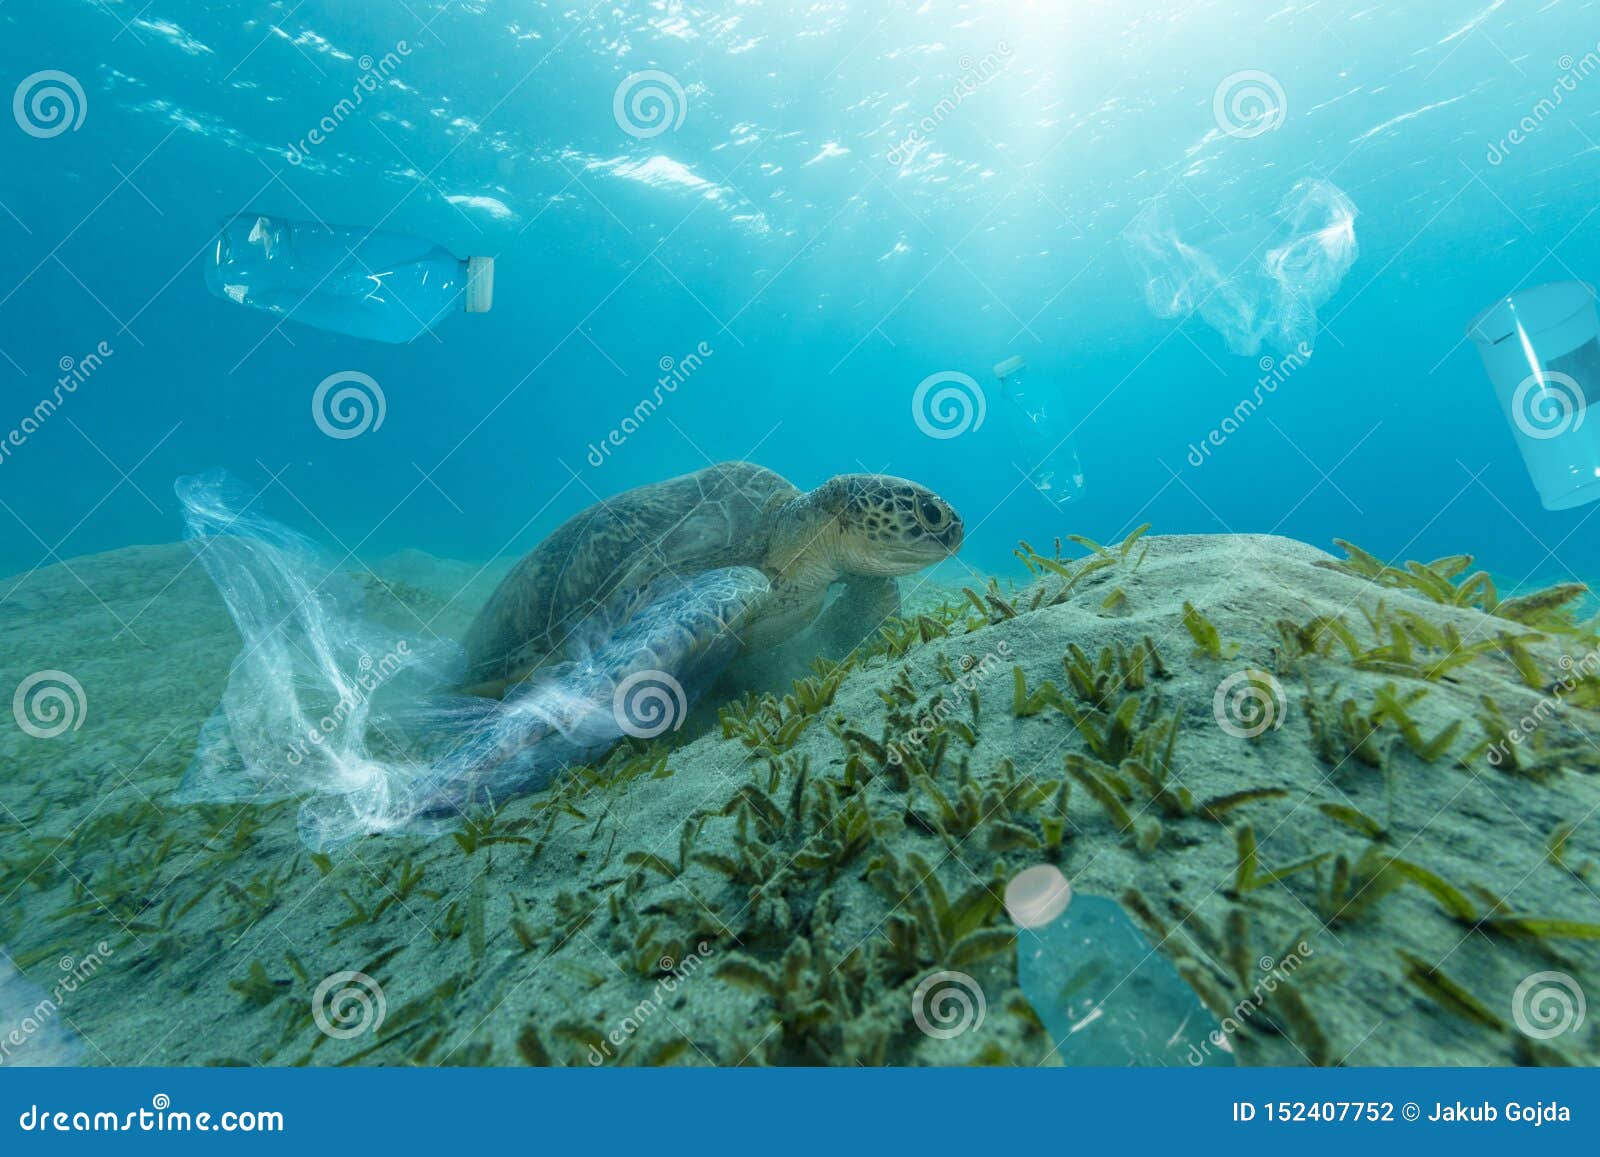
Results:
1041 433
1105 995
384 286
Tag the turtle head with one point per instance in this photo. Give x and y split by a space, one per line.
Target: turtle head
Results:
885 525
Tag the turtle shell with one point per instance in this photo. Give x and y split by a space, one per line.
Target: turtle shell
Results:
721 516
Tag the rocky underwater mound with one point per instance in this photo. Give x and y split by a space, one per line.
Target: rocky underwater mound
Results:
1352 802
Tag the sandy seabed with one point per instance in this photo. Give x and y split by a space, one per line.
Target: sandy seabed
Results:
1356 885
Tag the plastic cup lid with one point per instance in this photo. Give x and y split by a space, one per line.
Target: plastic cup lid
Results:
480 284
1537 308
1037 896
1010 366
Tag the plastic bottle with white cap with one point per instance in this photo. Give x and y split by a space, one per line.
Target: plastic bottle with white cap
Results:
385 286
1036 414
1104 993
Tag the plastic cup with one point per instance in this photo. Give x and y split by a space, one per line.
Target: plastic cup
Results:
1541 350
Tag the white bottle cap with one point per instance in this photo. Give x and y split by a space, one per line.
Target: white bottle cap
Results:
1009 366
480 284
1037 896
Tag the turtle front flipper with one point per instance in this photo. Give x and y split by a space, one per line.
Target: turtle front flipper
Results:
855 614
680 637
639 682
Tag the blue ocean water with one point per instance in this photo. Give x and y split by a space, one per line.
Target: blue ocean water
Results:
808 210
1230 249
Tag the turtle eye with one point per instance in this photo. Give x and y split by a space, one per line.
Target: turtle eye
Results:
934 516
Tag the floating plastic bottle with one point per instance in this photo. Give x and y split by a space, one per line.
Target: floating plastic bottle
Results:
1041 433
1105 995
1541 349
384 286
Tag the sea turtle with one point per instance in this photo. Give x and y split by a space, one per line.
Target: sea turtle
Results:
604 563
